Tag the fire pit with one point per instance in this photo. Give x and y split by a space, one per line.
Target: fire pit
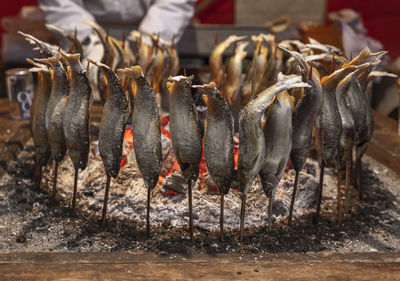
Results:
29 222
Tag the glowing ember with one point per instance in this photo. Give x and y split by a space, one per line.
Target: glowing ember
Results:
170 164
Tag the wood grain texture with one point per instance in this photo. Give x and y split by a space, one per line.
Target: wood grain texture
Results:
385 142
124 266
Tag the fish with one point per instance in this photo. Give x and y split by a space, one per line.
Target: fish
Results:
129 87
154 70
234 75
218 142
258 64
112 128
185 132
47 49
38 119
364 57
146 134
347 138
55 112
303 119
216 58
171 68
56 106
143 55
76 117
68 38
365 135
328 126
278 142
270 72
328 122
118 61
107 59
326 48
252 140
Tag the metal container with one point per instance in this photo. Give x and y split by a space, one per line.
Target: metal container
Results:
19 83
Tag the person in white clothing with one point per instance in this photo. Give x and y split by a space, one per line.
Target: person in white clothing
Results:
168 18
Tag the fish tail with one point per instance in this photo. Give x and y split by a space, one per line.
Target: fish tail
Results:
70 58
51 60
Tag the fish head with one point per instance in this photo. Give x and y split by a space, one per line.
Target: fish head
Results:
245 182
150 182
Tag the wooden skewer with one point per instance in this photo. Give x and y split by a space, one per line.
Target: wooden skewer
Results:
242 214
296 181
148 213
53 199
74 194
104 215
339 197
190 210
270 203
37 176
347 184
320 188
221 217
359 178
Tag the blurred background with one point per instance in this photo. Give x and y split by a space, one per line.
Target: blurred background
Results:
216 19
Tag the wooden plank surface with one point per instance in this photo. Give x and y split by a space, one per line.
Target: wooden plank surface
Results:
124 266
385 142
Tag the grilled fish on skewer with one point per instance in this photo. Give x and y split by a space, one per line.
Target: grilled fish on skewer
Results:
76 117
258 64
143 55
118 61
364 57
185 133
366 134
45 48
146 134
38 119
112 129
348 129
303 120
154 70
328 125
252 141
270 71
171 69
233 75
218 143
107 59
55 112
68 38
216 58
278 142
359 109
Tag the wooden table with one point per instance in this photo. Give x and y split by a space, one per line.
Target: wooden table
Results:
124 266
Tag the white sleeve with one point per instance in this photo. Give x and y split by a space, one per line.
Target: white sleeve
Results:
168 17
67 14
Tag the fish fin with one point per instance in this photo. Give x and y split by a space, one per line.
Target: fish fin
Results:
51 60
210 85
36 64
70 58
170 86
205 99
382 73
37 69
292 101
137 69
181 78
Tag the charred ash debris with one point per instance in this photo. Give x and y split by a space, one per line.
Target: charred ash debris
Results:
292 95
